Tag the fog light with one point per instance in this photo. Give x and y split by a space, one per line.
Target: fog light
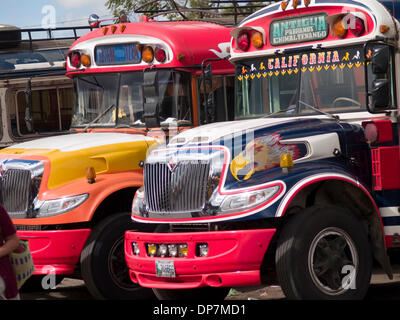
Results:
173 250
183 250
135 248
162 249
202 249
151 249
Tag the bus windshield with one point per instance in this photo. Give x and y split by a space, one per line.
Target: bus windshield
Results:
116 99
332 81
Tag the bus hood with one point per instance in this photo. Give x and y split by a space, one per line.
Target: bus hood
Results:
67 157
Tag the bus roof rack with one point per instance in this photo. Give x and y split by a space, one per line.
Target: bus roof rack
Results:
226 12
11 36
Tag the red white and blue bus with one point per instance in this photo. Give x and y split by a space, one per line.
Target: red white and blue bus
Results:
303 188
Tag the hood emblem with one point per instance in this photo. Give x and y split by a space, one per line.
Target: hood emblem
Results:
172 164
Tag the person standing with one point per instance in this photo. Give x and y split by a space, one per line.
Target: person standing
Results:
9 241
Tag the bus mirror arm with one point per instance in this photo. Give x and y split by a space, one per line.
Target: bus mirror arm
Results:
28 109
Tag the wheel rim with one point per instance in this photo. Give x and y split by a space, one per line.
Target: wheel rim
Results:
117 267
333 261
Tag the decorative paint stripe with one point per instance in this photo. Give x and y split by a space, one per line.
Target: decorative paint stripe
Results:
316 178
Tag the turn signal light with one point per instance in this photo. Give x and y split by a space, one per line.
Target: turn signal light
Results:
257 39
343 24
148 54
339 29
85 60
75 59
243 41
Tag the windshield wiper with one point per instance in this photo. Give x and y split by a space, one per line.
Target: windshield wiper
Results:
332 116
291 108
98 117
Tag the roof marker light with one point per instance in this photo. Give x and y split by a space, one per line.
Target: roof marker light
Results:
295 3
113 29
284 5
307 2
122 28
105 29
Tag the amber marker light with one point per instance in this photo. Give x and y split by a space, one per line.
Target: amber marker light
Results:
286 160
113 29
90 175
122 28
85 60
338 28
307 2
383 28
147 54
284 5
105 29
296 3
257 39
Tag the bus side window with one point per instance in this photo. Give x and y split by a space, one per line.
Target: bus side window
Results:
51 111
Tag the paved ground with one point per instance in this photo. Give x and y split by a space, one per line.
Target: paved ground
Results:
72 289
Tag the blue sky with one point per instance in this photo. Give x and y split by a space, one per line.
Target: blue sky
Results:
33 13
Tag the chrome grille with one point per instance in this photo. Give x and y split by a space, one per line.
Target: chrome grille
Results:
16 190
182 189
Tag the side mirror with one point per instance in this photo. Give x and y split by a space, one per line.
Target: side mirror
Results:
380 59
208 75
380 95
151 103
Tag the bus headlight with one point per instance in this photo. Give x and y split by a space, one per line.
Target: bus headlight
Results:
54 207
237 202
138 202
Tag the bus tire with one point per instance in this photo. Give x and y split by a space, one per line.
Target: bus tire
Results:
209 293
103 266
323 253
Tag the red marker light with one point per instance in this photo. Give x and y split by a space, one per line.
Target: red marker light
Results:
75 59
243 41
357 26
160 54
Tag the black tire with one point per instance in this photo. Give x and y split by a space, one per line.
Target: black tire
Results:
103 265
208 293
317 251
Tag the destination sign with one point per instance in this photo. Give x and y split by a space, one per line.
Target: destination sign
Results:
298 29
124 53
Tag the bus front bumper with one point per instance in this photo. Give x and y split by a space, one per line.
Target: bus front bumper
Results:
55 251
234 259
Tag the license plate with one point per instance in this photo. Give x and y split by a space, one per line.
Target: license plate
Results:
165 268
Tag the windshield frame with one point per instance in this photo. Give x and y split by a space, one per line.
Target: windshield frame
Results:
180 95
